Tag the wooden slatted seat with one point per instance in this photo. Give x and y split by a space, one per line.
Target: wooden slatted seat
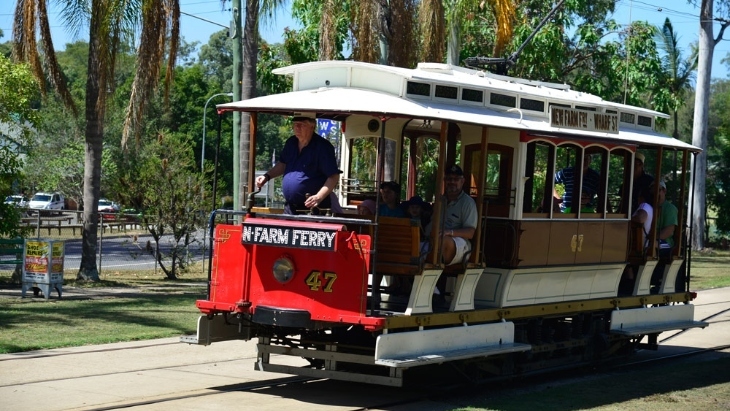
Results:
398 246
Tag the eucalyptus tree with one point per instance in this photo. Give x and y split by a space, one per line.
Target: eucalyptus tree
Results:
111 24
707 43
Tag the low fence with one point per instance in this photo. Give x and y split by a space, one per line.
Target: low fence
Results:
123 241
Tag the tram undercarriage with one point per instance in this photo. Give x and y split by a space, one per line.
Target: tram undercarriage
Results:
526 344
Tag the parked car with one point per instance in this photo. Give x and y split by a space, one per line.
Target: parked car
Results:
47 201
17 200
108 206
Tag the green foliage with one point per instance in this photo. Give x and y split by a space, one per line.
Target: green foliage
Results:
303 45
718 182
216 58
272 57
169 188
18 95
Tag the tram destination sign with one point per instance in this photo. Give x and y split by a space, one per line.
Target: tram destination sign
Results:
562 117
281 236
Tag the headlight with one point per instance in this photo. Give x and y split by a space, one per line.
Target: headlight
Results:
283 269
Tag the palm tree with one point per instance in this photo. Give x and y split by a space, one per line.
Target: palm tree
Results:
679 72
437 17
249 58
111 23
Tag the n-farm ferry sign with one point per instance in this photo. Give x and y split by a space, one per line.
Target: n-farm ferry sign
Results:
561 117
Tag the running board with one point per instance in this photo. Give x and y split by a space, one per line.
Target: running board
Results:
414 348
654 320
215 329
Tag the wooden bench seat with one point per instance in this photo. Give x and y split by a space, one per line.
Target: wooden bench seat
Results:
398 246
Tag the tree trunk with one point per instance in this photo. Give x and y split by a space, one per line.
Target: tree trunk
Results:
94 134
453 47
699 132
236 85
248 89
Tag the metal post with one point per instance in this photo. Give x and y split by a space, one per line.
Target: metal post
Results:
101 238
205 110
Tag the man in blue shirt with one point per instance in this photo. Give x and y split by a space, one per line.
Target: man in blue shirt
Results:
566 177
309 167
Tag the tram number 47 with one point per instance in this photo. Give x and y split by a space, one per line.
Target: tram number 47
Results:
317 279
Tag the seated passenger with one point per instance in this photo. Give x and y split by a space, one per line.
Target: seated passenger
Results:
367 207
390 195
666 224
643 216
460 218
420 210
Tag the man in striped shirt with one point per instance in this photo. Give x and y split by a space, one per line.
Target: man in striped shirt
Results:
567 177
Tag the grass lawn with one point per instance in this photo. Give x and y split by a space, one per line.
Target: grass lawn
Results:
134 306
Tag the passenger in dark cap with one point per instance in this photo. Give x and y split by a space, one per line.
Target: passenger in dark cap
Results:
390 194
460 218
420 210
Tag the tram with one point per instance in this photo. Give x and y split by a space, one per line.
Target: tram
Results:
541 287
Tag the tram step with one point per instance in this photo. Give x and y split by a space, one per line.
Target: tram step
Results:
414 348
652 320
680 325
436 358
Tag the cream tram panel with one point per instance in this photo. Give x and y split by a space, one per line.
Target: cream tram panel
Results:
314 79
350 76
540 285
391 83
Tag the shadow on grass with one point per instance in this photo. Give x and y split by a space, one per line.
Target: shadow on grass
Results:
656 385
53 323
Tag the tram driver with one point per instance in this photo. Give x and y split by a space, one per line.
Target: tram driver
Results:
309 167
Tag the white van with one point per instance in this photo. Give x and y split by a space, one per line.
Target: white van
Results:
47 201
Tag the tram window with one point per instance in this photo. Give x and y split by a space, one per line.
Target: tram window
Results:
362 173
672 163
538 184
446 92
418 89
533 105
497 179
502 100
644 121
627 118
619 175
424 153
567 177
472 95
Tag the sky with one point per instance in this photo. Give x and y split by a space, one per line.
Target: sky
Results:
684 17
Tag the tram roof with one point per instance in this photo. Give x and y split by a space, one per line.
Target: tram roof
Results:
334 89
